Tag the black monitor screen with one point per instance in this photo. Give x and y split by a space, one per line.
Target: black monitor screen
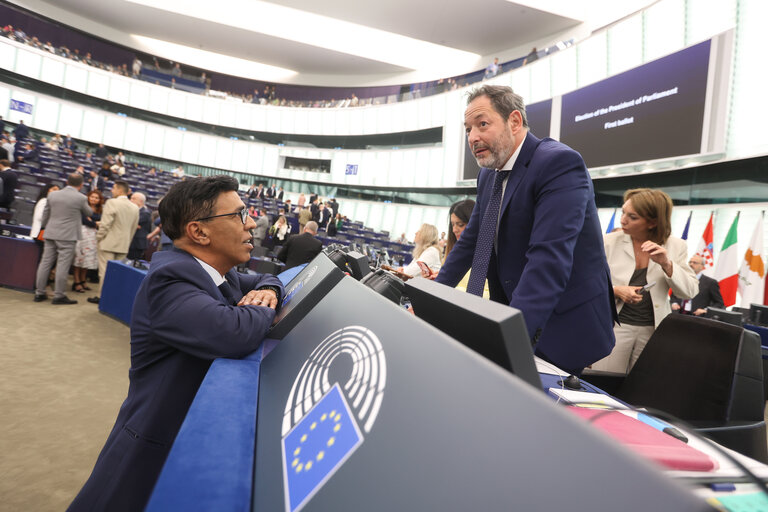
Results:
539 118
758 314
493 330
653 111
722 315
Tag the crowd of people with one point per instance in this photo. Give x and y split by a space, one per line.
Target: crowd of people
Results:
263 96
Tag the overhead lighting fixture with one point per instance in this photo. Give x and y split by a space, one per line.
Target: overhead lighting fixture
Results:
595 12
212 61
320 31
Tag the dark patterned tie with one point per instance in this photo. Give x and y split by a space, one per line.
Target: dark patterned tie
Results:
485 238
226 291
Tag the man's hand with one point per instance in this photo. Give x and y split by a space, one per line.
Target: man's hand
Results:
265 298
675 306
699 312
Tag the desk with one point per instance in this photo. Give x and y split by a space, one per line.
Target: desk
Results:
763 333
18 262
121 283
473 434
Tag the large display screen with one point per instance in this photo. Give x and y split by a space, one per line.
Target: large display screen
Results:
650 112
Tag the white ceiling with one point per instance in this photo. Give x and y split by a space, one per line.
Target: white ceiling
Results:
482 27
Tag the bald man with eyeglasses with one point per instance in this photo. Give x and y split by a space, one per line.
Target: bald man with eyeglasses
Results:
709 292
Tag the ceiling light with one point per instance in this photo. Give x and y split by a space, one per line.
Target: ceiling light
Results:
320 31
212 61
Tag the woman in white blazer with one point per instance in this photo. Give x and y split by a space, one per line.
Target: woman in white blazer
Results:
644 253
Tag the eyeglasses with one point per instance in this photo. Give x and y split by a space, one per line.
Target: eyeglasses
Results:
242 213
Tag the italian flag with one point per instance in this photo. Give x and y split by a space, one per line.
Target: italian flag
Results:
752 271
727 268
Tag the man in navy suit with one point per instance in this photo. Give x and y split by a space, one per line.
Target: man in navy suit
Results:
191 308
541 248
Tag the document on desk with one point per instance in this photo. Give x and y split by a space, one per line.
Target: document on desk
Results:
548 368
586 399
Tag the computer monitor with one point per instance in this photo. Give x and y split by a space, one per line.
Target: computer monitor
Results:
303 292
493 330
722 315
758 314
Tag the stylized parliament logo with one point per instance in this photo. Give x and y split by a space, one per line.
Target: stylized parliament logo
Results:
324 423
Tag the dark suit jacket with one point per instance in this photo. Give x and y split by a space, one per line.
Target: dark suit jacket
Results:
709 295
139 242
551 263
180 323
299 249
101 183
10 182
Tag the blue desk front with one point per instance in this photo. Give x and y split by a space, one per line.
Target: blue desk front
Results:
121 283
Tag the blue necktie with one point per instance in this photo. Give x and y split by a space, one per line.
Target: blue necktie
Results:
226 291
485 238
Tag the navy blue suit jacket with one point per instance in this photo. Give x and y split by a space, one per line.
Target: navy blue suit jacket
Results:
180 323
549 261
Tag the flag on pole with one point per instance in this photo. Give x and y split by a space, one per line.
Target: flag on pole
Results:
727 269
610 224
705 248
687 225
752 271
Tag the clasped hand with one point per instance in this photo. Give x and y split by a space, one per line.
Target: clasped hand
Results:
658 254
265 298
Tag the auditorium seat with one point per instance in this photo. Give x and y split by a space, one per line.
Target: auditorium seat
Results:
704 372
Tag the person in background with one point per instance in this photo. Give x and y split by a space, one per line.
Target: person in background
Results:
86 257
644 253
426 251
139 242
305 215
62 221
119 222
302 248
9 181
262 225
709 292
532 56
280 230
492 70
334 225
37 215
301 201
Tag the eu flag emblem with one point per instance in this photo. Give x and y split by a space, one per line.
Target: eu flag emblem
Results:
317 446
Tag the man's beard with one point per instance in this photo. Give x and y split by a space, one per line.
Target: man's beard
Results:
497 153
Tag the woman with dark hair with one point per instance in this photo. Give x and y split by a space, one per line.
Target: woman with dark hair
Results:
85 251
37 214
458 217
643 253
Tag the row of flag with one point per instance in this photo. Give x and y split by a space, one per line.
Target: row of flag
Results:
743 274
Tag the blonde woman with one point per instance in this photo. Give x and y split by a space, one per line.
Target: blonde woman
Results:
644 253
426 250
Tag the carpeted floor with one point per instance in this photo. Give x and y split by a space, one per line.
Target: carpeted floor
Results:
63 376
